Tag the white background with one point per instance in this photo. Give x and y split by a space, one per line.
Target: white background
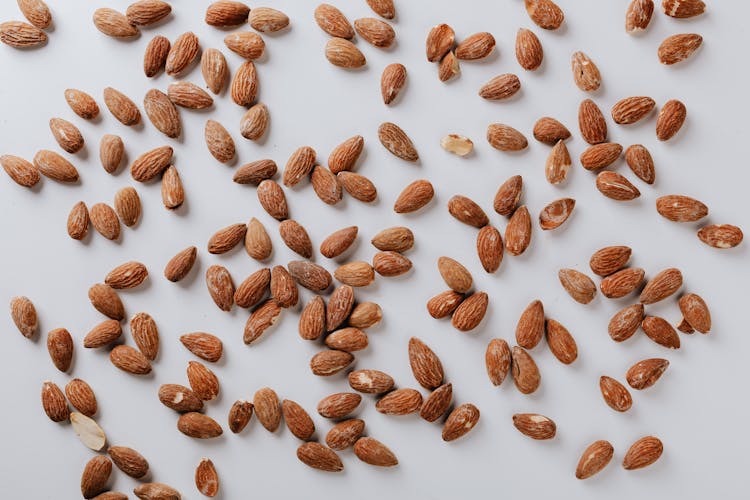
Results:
699 408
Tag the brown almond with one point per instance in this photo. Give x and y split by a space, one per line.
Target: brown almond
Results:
374 31
685 327
204 345
67 135
591 122
267 20
172 191
449 67
188 95
220 287
400 402
246 44
54 403
145 12
678 208
283 287
643 453
339 307
505 138
199 426
683 9
251 291
396 239
497 359
545 13
106 301
24 315
105 221
183 52
373 452
179 398
311 275
392 81
600 155
272 199
153 491
644 374
444 304
21 35
476 46
508 195
82 104
440 40
339 405
695 312
365 314
214 69
54 166
145 334
358 186
255 172
638 16
60 348
332 21
326 185
81 396
206 478
622 283
227 238
344 434
262 318
226 13
155 55
470 312
677 48
624 324
529 51
556 213
344 54
319 457
585 73
355 274
162 113
21 171
534 425
490 248
632 109
383 8
641 163
129 461
425 364
267 408
395 140
130 360
550 131
558 163
370 381
467 211
518 231
239 415
594 458
37 13
661 286
151 164
578 285
203 381
437 403
616 187
78 221
460 421
609 260
127 275
390 264
179 266
103 334
297 420
111 152
615 394
113 23
561 342
220 144
455 275
95 476
414 196
338 242
296 238
530 326
524 370
670 120
660 331
121 107
345 155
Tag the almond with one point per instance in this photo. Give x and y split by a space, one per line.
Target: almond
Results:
644 374
374 31
661 286
578 285
467 211
145 334
556 213
594 458
460 421
54 166
219 142
226 13
220 287
113 23
365 314
670 120
162 113
721 235
254 122
414 196
585 73
439 42
206 478
199 426
643 453
23 313
60 348
600 155
370 381
155 55
103 334
106 301
457 144
470 312
339 307
358 186
355 274
615 394
272 199
227 238
455 275
383 8
508 195
345 434
660 331
444 304
373 452
505 138
344 54
295 237
188 95
680 208
267 408
82 104
239 415
297 420
550 131
390 264
54 403
319 457
332 21
130 360
37 13
490 248
154 491
338 242
437 403
255 172
326 185
179 398
685 327
624 324
339 405
145 12
524 370
183 52
203 381
534 425
518 232
121 107
448 67
105 221
253 289
677 48
66 134
151 164
267 20
632 109
425 365
246 44
21 171
640 162
545 13
622 283
529 52
561 342
88 431
283 288
312 276
615 186
591 122
638 16
81 396
683 9
129 461
21 35
530 326
262 318
127 275
395 140
497 359
179 266
345 155
609 260
476 46
111 152
214 69
500 87
95 476
204 345
400 402
392 81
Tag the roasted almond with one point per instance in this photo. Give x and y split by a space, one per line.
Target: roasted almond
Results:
272 199
121 107
670 120
414 196
470 312
461 420
721 235
632 109
338 242
370 381
490 248
585 73
365 314
151 163
239 415
67 135
595 457
524 370
616 187
21 171
640 162
226 13
439 42
609 260
78 221
644 374
21 35
508 195
374 31
600 155
246 44
476 46
344 434
54 403
145 12
297 420
23 313
561 342
155 55
204 345
392 81
530 326
643 453
183 52
326 185
267 408
220 287
339 307
332 21
251 291
545 13
203 381
37 13
127 275
103 334
680 208
358 186
578 285
60 348
261 319
312 276
638 15
344 54
591 122
81 396
683 9
345 155
505 138
677 48
227 238
113 23
556 213
497 359
373 452
95 476
106 301
283 287
622 282
660 331
145 334
199 426
255 172
395 140
162 113
206 478
449 67
615 394
518 231
129 461
130 360
179 266
625 323
267 20
425 364
529 52
179 398
54 166
214 69
355 274
339 405
444 304
661 286
319 457
534 425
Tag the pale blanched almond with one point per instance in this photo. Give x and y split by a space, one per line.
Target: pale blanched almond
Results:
457 144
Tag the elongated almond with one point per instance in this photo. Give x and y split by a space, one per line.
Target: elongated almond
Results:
561 342
660 331
311 275
129 461
460 421
365 315
272 199
616 187
220 287
21 35
545 13
508 195
267 20
355 274
594 458
529 52
344 54
95 476
262 318
145 12
257 242
82 104
297 420
130 360
392 81
358 186
24 315
615 394
339 307
455 275
677 48
370 381
345 155
312 321
179 398
497 359
251 291
530 327
609 260
78 221
283 287
683 9
444 304
439 41
152 491
470 312
113 23
476 46
54 166
127 275
467 211
239 415
183 52
390 264
347 339
226 13
721 235
37 12
641 163
54 403
214 69
227 238
204 345
449 67
295 237
556 213
591 122
338 242
188 95
319 457
373 452
179 266
395 140
145 334
203 381
246 44
437 403
121 107
638 15
550 131
103 334
696 312
374 31
81 396
60 348
661 286
21 171
344 434
326 185
518 231
155 55
585 73
646 373
624 324
679 208
414 196
199 426
534 425
220 143
255 172
490 248
524 370
622 282
106 301
206 478
425 364
162 113
643 453
632 109
151 163
505 138
578 285
670 120
332 21
111 152
66 134
339 405
600 155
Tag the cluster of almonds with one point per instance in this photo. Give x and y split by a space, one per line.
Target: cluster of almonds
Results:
341 323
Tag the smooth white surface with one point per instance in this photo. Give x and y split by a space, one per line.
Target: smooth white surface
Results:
698 409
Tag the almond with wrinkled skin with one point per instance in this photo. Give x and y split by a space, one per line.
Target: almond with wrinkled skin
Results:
179 266
113 23
476 46
677 48
283 287
685 327
508 195
95 476
121 107
355 274
500 87
130 360
660 331
561 342
632 109
374 31
505 138
214 69
383 8
24 316
529 51
272 199
678 208
373 452
54 166
460 421
556 213
227 238
600 155
585 73
437 403
199 426
319 457
490 248
81 396
370 381
545 13
105 300
145 334
183 52
721 235
151 164
439 42
530 327
400 402
262 318
661 286
253 289
145 12
332 21
444 304
246 44
625 323
226 13
295 237
78 221
155 55
683 9
591 122
60 348
327 363
127 275
311 275
203 381
267 20
524 370
497 359
103 334
82 104
179 398
254 122
594 458
326 185
220 143
344 434
345 155
558 163
670 120
550 131
338 242
578 285
111 152
188 95
297 420
643 453
646 373
358 186
239 415
162 113
395 140
204 345
267 408
339 405
622 282
392 81
206 478
449 67
255 172
54 403
220 287
615 394
534 425
339 307
609 260
312 321
518 231
156 491
36 12
365 314
638 15
470 312
455 275
616 187
390 264
344 54
21 171
111 495
467 211
414 196
129 461
641 163
425 364
21 35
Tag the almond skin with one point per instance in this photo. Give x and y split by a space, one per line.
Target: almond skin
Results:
643 453
21 171
365 315
373 452
113 23
106 301
345 155
395 140
319 457
332 21
545 13
179 398
505 138
437 403
344 54
625 323
338 242
561 342
358 186
204 345
151 164
267 408
339 405
600 155
670 120
476 46
339 307
24 315
226 13
296 238
179 266
400 402
470 312
220 287
121 107
425 365
111 152
130 360
374 31
103 334
283 287
183 52
534 425
21 35
460 421
455 275
152 491
585 73
556 213
414 196
105 221
550 131
347 339
162 113
95 476
444 304
55 167
344 434
529 52
622 282
220 144
467 211
188 95
239 415
127 275
155 55
272 199
490 248
721 235
82 104
594 458
145 12
439 42
530 327
518 232
609 260
632 109
370 381
616 187
591 122
646 373
246 44
615 394
578 285
267 20
392 82
199 426
497 359
508 195
60 348
54 403
67 135
638 15
683 9
255 172
678 208
390 264
227 238
661 286
641 163
524 370
326 185
677 48
145 334
251 291
312 276
203 381
660 331
81 396
500 87
214 69
355 274
78 221
297 420
129 461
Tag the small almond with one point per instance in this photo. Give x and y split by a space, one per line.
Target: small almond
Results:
188 95
130 360
561 342
600 155
78 221
37 13
625 323
622 282
355 274
518 231
534 425
591 122
529 51
344 434
295 237
609 260
111 152
531 327
632 109
395 140
206 478
508 195
460 421
155 55
214 69
60 348
24 315
95 476
220 143
594 458
455 275
646 373
556 213
67 135
670 120
239 415
332 21
54 403
344 54
437 403
476 46
457 144
392 82
505 138
585 73
204 345
449 67
470 312
365 314
414 196
220 287
643 453
677 48
497 359
616 187
524 370
179 266
660 331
